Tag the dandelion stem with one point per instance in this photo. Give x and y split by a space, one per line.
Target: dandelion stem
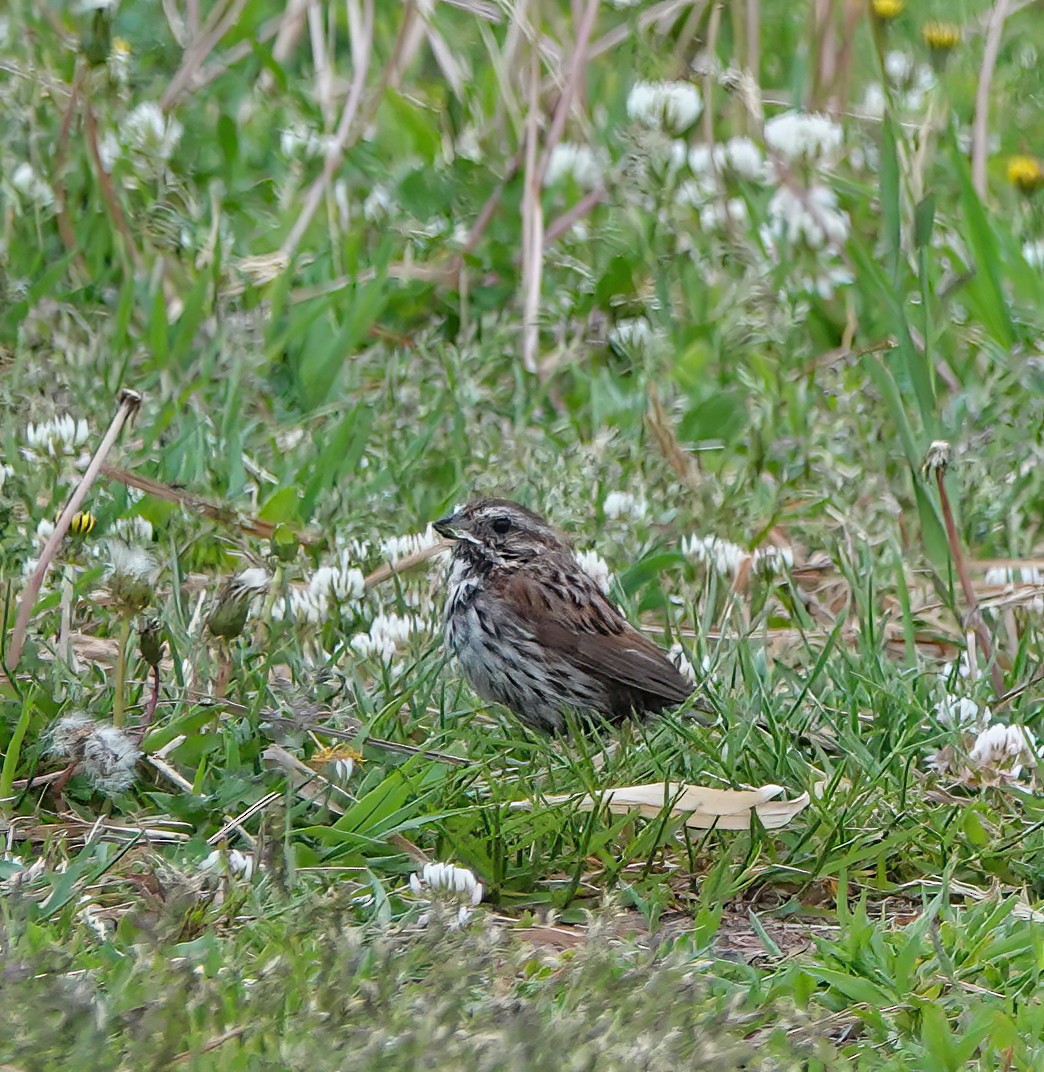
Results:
119 701
129 402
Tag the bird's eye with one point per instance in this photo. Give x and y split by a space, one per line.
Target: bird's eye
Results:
501 525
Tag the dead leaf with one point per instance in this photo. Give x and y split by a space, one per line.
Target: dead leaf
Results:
703 807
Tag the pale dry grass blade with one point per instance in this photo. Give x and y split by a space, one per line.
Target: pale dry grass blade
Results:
220 20
361 34
532 225
704 807
980 123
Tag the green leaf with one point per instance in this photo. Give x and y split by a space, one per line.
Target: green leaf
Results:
282 507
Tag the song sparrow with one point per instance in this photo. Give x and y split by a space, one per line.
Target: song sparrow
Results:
533 631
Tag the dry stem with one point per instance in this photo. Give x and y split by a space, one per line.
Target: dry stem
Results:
129 402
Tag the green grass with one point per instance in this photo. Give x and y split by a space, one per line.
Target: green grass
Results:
356 391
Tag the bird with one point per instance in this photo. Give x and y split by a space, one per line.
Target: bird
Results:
532 630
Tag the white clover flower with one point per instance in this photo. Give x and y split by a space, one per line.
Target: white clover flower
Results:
742 158
378 204
770 559
961 666
365 645
824 281
448 885
6 471
718 214
447 878
231 864
396 548
150 134
701 160
695 192
1003 747
109 759
898 66
128 560
388 632
684 664
340 579
874 101
109 150
669 106
960 711
253 579
31 187
44 530
301 142
133 530
1033 253
620 504
596 567
720 555
803 137
577 162
811 217
306 606
634 337
59 436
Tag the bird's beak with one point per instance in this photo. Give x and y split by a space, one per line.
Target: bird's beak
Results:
452 529
444 527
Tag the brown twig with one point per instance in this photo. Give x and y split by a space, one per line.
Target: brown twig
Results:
661 427
251 525
128 403
982 96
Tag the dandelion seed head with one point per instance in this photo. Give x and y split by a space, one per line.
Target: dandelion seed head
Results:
66 737
109 759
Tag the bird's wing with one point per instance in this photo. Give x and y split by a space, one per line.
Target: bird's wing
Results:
594 637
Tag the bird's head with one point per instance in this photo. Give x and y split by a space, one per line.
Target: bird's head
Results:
499 530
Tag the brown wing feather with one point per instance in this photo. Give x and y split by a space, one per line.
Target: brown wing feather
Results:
597 639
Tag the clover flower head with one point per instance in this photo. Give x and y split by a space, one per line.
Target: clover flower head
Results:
149 134
58 436
596 567
577 162
803 137
624 504
668 106
396 548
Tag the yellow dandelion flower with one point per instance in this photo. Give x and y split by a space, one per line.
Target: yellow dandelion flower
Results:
887 9
941 36
1025 173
